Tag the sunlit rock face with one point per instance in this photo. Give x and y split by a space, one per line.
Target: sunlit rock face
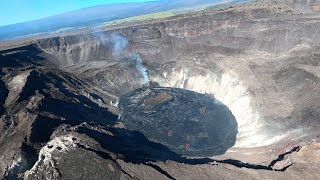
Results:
263 71
257 67
187 122
227 88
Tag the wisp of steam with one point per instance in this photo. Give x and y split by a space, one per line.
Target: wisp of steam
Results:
120 44
139 65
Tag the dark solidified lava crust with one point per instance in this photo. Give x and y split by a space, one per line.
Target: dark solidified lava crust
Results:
188 123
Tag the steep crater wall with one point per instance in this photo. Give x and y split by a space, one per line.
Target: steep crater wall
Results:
240 57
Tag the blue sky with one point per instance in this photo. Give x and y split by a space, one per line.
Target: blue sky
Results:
15 11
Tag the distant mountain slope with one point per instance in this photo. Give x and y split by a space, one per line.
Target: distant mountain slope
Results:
98 14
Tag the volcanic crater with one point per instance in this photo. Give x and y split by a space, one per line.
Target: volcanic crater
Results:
238 85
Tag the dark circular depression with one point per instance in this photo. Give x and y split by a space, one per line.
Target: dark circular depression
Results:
187 122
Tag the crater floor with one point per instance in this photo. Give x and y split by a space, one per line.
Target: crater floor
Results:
186 122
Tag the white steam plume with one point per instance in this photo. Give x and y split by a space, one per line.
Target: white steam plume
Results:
141 68
120 44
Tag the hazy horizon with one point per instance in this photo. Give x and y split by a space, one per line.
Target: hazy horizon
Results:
14 12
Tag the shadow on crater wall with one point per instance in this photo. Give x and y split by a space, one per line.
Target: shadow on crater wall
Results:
134 147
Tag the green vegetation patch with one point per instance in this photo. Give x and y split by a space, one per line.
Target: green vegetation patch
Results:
145 17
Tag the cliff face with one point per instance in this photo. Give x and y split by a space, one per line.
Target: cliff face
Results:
249 57
259 59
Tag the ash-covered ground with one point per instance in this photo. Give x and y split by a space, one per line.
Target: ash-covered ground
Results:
58 95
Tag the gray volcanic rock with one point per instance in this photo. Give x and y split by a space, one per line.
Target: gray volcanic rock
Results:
58 113
187 122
